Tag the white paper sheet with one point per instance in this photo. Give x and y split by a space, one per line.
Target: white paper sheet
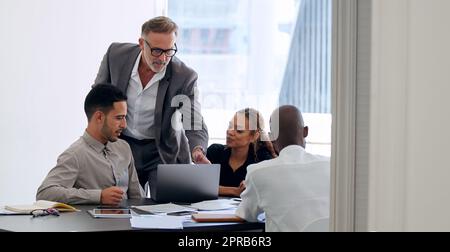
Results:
157 222
163 208
3 211
214 205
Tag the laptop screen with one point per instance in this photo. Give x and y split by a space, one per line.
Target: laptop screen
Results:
186 183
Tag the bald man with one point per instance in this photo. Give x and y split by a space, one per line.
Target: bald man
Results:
293 190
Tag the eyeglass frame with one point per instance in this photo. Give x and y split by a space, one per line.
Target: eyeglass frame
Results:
152 49
45 212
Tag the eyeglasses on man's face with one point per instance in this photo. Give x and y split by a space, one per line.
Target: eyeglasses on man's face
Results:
156 52
44 212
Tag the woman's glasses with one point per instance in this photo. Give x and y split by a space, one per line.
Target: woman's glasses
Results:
44 212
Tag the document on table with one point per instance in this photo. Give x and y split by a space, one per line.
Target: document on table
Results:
157 221
164 208
215 205
3 211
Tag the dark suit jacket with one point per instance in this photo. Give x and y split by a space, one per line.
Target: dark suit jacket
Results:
175 90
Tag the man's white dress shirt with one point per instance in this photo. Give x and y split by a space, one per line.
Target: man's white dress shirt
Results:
293 190
141 104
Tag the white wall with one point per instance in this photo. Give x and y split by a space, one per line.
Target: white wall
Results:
49 56
409 181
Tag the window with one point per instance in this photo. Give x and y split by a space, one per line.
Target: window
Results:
243 54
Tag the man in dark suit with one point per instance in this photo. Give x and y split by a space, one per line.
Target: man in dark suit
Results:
164 120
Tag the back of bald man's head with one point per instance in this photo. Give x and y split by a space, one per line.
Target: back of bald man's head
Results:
289 122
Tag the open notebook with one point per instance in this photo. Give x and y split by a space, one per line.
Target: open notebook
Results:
41 204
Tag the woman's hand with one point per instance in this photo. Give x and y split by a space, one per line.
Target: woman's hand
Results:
241 187
232 191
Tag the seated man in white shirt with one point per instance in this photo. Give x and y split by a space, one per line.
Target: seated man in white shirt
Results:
293 189
98 167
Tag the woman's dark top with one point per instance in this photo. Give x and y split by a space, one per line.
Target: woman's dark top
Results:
220 154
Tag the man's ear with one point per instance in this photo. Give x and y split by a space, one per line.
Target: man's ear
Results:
141 43
305 131
98 117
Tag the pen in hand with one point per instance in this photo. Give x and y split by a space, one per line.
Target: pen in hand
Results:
111 196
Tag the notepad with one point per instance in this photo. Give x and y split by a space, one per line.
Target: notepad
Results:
3 211
41 204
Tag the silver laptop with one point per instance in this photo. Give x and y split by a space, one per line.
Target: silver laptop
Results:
186 183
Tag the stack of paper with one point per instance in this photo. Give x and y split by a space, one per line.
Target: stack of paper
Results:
161 216
157 222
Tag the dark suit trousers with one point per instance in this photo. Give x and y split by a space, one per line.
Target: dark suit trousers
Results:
146 158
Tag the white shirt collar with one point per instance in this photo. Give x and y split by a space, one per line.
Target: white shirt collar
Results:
136 65
291 148
135 74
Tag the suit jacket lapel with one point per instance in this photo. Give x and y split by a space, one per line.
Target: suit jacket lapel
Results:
125 75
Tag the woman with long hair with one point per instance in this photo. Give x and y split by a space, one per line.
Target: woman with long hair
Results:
244 146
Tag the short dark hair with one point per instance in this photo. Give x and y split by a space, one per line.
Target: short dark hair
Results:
102 97
159 25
